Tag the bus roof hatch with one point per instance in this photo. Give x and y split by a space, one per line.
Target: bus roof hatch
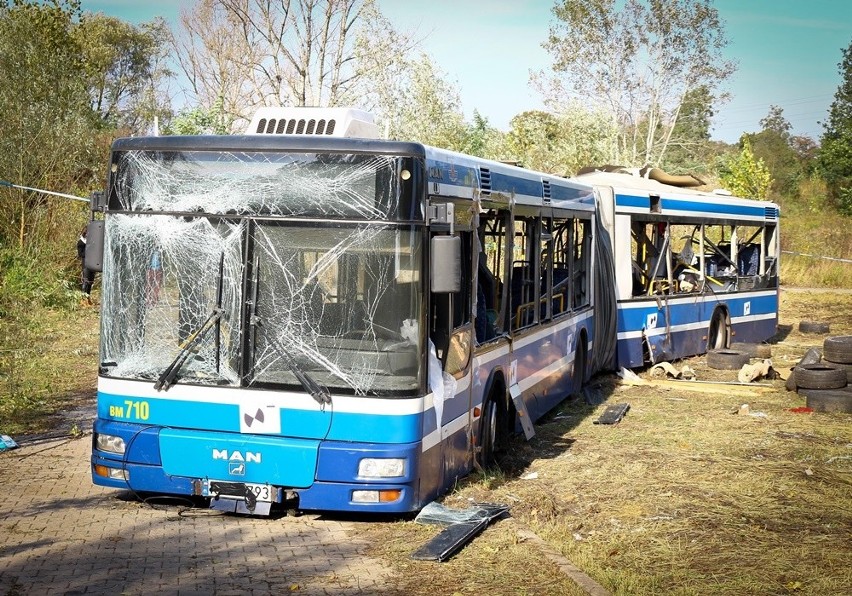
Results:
310 121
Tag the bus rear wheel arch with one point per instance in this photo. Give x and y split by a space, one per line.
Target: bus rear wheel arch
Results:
493 425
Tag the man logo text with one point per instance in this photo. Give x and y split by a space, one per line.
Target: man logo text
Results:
226 455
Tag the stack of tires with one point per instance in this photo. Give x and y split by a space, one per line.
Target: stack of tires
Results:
825 382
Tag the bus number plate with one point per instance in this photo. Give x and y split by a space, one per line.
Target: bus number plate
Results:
263 493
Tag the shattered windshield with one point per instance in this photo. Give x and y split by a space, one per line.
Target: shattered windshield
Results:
163 277
342 302
234 285
339 186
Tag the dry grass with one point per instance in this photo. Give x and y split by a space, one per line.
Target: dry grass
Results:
682 497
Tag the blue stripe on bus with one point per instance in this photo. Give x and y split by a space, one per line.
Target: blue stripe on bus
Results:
687 205
294 423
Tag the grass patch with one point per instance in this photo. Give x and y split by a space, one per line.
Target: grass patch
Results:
48 362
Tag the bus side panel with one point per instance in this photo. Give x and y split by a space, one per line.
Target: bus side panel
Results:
446 452
677 327
544 360
754 316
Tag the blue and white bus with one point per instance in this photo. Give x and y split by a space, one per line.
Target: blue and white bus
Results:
694 270
308 316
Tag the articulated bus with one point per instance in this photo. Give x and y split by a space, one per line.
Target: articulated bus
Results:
694 270
309 316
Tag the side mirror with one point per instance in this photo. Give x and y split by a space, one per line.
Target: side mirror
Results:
446 264
94 260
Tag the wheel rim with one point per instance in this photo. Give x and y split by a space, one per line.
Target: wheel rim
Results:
718 334
489 433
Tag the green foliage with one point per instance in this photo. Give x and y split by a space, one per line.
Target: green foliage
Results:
47 123
560 144
123 68
835 154
745 175
422 106
773 145
200 121
689 151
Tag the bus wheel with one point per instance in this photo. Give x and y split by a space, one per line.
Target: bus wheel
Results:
579 368
488 436
717 335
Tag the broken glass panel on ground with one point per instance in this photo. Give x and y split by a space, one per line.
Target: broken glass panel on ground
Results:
461 526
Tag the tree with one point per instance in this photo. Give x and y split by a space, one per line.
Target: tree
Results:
689 149
775 122
420 105
47 123
772 145
559 143
250 53
835 154
124 69
745 175
638 62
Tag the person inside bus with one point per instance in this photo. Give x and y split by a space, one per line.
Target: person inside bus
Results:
486 301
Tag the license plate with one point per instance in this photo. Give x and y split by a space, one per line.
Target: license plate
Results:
263 493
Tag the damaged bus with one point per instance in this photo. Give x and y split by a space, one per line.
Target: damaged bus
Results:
693 270
311 316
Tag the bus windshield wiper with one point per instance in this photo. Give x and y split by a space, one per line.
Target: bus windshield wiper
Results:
168 376
317 391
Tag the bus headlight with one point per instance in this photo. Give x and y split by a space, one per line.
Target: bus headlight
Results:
110 443
373 467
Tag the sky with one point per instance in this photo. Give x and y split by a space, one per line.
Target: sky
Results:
787 52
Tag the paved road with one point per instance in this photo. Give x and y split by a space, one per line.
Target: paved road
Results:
59 534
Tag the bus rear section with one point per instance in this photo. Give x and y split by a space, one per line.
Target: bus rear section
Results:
695 271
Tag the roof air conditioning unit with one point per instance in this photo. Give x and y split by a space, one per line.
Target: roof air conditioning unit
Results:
324 122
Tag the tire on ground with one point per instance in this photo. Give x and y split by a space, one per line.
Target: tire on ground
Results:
790 385
820 376
842 366
754 350
813 327
838 349
829 400
727 359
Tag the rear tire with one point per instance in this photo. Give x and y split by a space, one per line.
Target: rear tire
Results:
493 433
717 333
579 377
